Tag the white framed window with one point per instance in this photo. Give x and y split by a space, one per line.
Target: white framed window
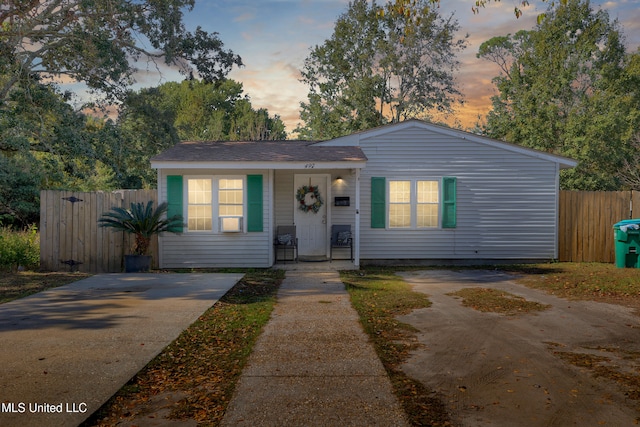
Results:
199 208
414 203
399 204
230 204
215 203
427 203
230 197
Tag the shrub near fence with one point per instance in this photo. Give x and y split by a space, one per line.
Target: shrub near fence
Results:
585 223
19 249
69 234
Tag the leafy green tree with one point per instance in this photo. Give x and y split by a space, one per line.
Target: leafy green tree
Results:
19 190
96 42
563 90
379 67
630 170
46 144
248 124
144 128
154 119
39 120
629 83
196 110
405 7
43 144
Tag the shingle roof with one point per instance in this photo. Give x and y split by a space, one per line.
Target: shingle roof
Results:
262 151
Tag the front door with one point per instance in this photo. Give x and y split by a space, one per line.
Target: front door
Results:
310 215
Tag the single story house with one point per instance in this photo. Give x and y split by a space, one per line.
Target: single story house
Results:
411 192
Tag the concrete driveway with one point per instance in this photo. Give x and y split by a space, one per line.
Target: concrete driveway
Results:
65 351
496 370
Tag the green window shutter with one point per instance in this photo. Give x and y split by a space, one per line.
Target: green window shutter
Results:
254 203
448 202
174 198
378 202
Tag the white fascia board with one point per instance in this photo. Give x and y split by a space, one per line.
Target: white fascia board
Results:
258 165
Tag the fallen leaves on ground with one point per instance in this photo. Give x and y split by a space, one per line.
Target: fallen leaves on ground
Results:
379 295
614 364
586 281
14 285
497 301
194 377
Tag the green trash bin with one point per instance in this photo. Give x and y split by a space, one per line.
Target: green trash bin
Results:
627 241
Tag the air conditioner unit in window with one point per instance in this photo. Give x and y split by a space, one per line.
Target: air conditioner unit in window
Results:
230 224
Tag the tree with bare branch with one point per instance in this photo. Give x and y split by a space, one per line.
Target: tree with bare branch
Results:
98 41
629 172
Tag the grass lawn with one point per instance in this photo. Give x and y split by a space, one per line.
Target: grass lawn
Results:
584 281
194 377
14 285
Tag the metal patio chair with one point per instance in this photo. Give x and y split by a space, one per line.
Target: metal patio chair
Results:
341 238
285 239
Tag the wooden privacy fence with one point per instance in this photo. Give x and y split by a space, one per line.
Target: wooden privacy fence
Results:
585 223
69 234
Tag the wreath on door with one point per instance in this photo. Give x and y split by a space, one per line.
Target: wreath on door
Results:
309 198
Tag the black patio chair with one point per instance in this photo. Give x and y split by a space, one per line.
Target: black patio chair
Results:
341 238
285 239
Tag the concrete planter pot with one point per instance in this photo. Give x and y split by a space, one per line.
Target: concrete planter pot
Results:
137 263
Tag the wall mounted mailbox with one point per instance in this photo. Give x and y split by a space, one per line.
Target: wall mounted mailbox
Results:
342 201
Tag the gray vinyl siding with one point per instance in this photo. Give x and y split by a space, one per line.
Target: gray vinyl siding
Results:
344 215
284 196
506 200
212 249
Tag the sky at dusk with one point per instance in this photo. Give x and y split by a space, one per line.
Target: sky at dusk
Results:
274 37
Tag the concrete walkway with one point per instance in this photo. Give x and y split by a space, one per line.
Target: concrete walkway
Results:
66 351
313 364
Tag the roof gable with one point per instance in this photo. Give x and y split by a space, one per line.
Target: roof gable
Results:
356 139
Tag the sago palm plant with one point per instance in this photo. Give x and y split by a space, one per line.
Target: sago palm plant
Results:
142 221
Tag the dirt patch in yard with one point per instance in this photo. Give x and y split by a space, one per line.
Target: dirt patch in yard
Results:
495 301
575 363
